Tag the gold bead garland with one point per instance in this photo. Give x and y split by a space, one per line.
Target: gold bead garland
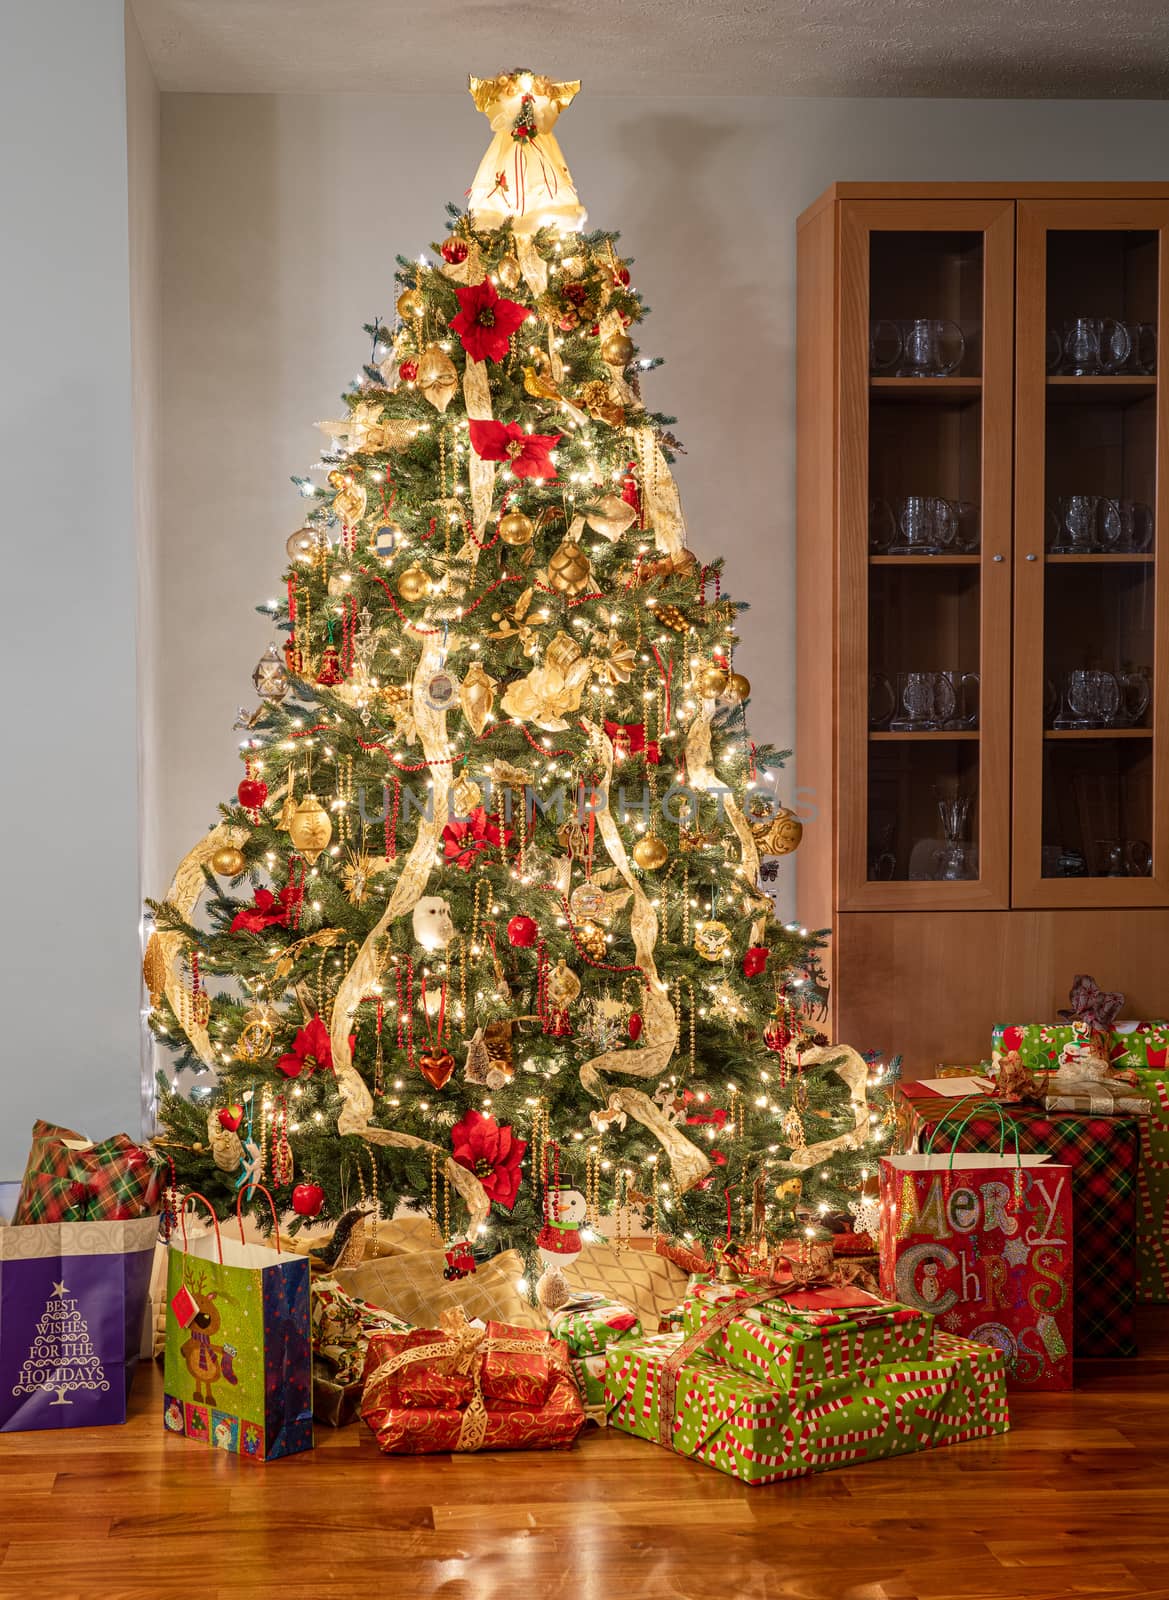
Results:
593 1187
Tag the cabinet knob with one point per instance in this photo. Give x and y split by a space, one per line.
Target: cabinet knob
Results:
996 558
1031 557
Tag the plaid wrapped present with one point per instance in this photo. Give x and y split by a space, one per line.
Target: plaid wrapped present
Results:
70 1179
588 1325
1103 1153
663 1389
808 1335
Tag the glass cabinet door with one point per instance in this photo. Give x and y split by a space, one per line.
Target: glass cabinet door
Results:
1090 719
926 317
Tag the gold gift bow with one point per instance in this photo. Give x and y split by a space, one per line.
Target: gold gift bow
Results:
468 1346
356 1101
660 1026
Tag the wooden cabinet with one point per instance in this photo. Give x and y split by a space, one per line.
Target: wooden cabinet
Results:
983 611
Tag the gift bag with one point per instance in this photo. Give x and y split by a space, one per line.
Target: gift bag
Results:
984 1242
68 1178
238 1373
72 1297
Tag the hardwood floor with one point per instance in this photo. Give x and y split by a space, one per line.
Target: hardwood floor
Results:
1074 1501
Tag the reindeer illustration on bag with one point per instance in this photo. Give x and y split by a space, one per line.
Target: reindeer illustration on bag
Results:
207 1362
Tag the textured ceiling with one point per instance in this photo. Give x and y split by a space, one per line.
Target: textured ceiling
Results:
950 48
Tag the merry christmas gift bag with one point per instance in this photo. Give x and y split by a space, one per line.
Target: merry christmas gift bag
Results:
984 1242
238 1373
72 1297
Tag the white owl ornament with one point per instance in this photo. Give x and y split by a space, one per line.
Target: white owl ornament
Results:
433 927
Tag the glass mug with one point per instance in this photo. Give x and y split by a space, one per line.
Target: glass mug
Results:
923 702
1143 339
1123 858
1126 525
1093 698
922 525
1094 345
923 347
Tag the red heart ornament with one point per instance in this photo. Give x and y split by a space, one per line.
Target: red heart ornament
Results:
755 961
436 1067
231 1117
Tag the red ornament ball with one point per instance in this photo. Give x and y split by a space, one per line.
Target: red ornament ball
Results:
523 931
634 1026
453 250
230 1117
307 1199
408 371
621 276
252 793
755 961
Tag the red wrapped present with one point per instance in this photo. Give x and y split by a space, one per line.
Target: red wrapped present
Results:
70 1179
469 1388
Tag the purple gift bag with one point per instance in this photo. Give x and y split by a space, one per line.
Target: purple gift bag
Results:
72 1297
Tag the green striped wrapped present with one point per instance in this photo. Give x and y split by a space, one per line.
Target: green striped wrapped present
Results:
727 1419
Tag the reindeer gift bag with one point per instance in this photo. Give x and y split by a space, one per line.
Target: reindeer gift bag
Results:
238 1343
984 1242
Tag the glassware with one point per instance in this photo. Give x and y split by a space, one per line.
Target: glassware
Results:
885 346
925 702
882 856
882 700
1094 345
1139 856
1142 338
1110 859
1126 525
1091 699
930 347
882 526
963 689
1075 523
1135 693
915 703
952 859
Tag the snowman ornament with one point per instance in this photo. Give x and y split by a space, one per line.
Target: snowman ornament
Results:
557 1243
433 927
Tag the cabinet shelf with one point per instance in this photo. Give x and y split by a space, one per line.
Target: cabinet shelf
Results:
929 735
925 390
1097 391
924 561
1111 558
1097 733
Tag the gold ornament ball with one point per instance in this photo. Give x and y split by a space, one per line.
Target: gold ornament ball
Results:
154 969
650 853
413 584
411 305
228 862
310 828
738 687
509 272
515 528
591 939
303 545
712 681
782 834
568 570
618 350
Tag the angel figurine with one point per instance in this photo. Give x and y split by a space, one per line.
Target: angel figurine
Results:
523 179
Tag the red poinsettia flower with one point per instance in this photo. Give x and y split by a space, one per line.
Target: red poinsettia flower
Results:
266 912
486 321
463 841
311 1051
525 453
492 1153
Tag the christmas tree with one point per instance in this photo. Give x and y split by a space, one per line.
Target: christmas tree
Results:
486 917
61 1356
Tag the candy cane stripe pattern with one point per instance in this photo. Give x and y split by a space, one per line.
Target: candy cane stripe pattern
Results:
918 1422
834 1449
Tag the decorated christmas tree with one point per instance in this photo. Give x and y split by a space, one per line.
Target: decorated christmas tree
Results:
485 919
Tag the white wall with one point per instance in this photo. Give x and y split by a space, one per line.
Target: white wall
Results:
68 793
282 217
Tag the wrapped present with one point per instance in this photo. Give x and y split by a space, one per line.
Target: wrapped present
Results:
588 1325
68 1178
1153 1190
1040 1044
664 1388
799 1336
466 1388
1102 1152
1099 1100
342 1325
